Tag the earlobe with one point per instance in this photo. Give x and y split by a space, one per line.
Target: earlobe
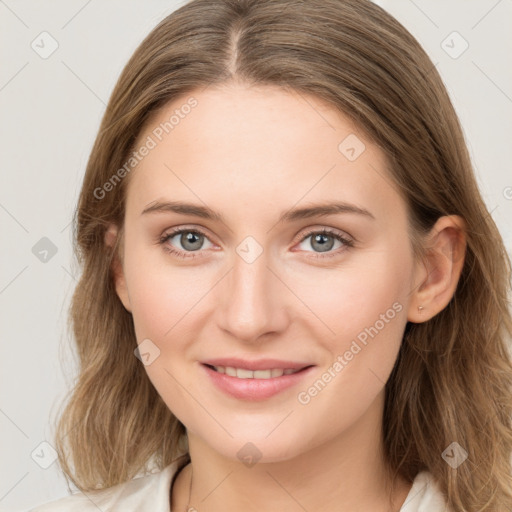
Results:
439 272
111 240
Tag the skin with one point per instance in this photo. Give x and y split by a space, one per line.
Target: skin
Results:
251 154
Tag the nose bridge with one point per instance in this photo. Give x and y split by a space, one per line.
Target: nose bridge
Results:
252 303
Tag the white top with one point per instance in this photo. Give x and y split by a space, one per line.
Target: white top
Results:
151 493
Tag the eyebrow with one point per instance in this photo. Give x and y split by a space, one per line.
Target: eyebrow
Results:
291 215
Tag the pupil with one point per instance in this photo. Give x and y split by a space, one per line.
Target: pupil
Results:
189 238
324 245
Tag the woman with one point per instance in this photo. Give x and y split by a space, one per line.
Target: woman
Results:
218 345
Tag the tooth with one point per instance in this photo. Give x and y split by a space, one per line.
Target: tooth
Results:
230 371
262 374
242 373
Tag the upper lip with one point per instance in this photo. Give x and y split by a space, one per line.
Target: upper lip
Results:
260 364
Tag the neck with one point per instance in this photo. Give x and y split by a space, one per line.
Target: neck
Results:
346 473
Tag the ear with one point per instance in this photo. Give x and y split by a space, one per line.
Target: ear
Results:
437 275
111 239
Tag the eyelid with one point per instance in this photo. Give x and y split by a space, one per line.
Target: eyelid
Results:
176 230
323 229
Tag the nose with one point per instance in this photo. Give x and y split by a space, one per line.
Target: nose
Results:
252 300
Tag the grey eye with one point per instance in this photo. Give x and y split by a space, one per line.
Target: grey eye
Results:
189 240
322 242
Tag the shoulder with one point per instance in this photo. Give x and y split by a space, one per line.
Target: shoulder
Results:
425 495
146 493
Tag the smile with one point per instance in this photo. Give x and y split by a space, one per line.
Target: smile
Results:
243 373
254 385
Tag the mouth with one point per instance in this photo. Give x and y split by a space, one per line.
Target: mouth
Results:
255 384
244 373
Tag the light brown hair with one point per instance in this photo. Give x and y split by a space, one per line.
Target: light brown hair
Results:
452 380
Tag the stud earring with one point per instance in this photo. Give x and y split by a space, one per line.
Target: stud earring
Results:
420 308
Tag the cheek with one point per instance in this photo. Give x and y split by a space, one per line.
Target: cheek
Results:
365 308
360 359
355 296
165 303
161 292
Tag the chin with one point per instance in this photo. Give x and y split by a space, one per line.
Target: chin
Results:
257 446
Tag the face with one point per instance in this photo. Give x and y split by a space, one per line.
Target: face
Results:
257 274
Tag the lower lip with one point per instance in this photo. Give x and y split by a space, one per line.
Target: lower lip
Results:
255 389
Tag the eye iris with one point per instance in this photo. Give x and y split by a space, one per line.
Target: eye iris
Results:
195 239
321 239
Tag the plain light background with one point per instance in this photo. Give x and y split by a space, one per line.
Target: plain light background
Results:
50 113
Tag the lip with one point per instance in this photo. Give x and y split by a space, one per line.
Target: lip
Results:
255 389
260 364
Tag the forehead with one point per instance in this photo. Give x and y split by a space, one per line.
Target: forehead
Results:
257 147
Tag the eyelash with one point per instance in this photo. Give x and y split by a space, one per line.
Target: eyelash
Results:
191 254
